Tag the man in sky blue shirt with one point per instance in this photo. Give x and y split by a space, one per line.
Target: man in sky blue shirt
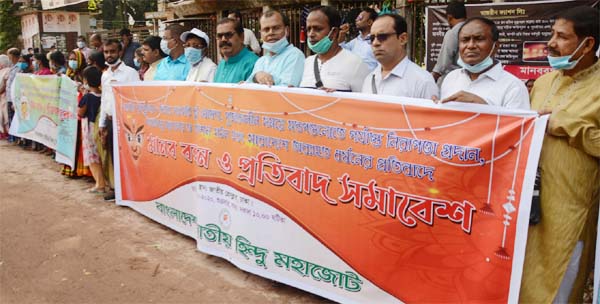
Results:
175 66
360 45
283 64
238 61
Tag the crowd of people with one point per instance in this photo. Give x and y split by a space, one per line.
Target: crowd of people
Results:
560 247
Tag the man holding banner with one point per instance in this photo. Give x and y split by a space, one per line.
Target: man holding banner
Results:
482 79
560 248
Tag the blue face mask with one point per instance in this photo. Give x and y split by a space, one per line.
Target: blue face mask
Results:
73 64
564 62
22 65
193 55
276 47
478 67
137 63
323 45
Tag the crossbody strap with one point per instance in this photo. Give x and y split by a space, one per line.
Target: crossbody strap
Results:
319 83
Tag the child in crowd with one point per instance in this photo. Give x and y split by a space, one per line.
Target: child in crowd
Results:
89 107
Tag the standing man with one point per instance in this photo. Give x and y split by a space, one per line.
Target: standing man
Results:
396 74
196 46
116 72
82 47
152 55
560 248
360 45
96 42
129 47
175 66
456 14
332 68
13 55
282 64
250 40
238 61
482 79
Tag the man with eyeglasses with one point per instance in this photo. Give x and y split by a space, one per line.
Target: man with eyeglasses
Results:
481 78
396 74
196 47
282 64
238 61
175 66
332 68
359 45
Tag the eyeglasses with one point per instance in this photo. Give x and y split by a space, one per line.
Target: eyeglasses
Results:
227 35
381 37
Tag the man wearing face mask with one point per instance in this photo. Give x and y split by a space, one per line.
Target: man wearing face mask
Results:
175 66
332 68
117 72
560 248
282 64
82 47
238 61
482 79
196 45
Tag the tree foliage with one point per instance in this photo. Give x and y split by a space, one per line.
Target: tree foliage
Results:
10 25
114 12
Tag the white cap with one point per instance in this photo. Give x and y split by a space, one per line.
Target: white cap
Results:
196 32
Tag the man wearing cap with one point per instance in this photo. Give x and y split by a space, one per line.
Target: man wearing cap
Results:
238 61
282 64
129 47
196 46
175 66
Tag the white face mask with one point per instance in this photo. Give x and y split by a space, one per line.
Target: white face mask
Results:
112 65
80 44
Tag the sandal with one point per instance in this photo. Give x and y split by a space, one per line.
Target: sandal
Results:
96 190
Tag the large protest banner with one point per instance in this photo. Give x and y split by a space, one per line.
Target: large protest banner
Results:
525 28
46 112
358 198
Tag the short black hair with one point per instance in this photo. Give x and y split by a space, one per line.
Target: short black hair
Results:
486 21
237 25
58 57
125 31
399 23
43 59
93 76
236 13
113 41
333 16
153 42
372 13
97 57
271 12
30 49
585 22
456 9
81 37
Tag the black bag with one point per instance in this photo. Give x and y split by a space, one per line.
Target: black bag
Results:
535 216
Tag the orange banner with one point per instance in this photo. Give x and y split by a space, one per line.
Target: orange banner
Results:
424 201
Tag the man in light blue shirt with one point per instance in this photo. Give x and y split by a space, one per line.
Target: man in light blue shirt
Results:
360 45
283 64
175 66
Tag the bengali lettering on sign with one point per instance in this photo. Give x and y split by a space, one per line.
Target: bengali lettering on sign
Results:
335 193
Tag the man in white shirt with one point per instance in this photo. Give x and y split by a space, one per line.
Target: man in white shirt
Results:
396 74
249 36
360 45
117 72
332 68
196 46
482 79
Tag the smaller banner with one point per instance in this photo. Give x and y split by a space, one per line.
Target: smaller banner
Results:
525 28
52 4
45 112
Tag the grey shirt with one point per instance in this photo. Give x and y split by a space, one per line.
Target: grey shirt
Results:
449 53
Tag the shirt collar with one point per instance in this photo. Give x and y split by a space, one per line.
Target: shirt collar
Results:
494 73
237 57
181 59
399 70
